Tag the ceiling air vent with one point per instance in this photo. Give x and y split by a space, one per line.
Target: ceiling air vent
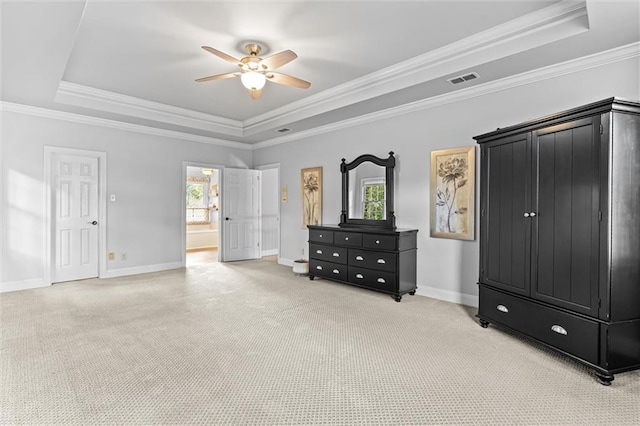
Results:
283 130
463 78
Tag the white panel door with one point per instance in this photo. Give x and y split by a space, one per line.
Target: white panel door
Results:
75 235
240 208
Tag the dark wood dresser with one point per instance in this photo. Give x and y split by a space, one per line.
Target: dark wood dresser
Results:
377 259
560 234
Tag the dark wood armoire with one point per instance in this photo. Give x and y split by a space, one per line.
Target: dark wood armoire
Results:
560 233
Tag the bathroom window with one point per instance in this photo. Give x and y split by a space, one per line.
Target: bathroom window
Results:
197 200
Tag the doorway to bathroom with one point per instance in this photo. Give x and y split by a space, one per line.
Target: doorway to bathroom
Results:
202 215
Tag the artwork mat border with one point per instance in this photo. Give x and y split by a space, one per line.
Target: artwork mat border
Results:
470 152
317 169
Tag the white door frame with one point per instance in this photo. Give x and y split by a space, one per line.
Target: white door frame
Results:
268 167
183 216
49 152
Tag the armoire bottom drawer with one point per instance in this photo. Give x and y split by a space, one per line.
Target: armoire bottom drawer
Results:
570 333
327 269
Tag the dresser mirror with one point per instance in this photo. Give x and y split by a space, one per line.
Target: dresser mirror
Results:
367 192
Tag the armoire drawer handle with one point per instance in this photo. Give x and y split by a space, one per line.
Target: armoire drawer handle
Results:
381 261
320 236
319 268
502 308
377 241
359 276
381 280
335 271
359 258
319 251
346 238
559 329
336 254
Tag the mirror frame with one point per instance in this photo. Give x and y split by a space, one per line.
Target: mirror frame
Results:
390 220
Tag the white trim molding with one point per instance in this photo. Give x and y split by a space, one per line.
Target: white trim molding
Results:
448 296
22 285
119 125
618 54
123 272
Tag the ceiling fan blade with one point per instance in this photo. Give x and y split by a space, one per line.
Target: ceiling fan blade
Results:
219 76
288 80
255 94
279 59
222 55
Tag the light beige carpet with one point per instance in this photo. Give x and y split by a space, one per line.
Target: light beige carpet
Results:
252 343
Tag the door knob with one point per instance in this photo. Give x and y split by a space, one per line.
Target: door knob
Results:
95 222
226 218
526 215
532 214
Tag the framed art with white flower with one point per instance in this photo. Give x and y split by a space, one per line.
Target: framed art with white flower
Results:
453 193
311 182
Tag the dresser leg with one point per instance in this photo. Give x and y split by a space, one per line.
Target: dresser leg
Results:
397 297
484 323
311 277
412 293
604 378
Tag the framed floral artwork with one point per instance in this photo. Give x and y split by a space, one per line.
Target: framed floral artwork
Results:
311 182
453 193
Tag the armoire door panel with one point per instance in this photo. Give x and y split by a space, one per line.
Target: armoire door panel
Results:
565 226
506 261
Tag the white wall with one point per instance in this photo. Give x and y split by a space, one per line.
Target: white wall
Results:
447 269
144 171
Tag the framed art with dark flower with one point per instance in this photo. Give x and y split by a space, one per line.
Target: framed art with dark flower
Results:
311 181
453 193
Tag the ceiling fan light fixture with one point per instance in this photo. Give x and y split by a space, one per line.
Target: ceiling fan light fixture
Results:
253 80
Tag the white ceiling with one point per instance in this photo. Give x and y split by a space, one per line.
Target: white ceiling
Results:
136 62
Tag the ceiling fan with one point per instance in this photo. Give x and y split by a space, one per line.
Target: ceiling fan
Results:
255 71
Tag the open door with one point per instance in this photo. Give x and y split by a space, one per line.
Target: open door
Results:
241 214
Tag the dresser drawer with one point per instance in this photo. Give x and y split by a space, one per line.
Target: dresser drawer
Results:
380 261
379 280
328 253
352 239
380 242
321 236
572 334
331 270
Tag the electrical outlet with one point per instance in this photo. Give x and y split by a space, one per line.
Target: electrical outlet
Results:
123 256
112 255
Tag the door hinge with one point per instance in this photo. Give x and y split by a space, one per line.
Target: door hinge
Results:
599 303
599 216
258 244
601 129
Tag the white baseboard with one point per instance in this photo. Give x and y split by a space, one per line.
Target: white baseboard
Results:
122 272
285 262
271 252
22 285
449 296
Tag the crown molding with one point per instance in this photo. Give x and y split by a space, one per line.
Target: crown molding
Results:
618 54
544 26
104 100
550 24
119 125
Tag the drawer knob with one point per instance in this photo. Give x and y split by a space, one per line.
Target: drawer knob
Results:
360 276
319 251
335 271
559 329
502 308
381 261
346 238
381 280
319 268
359 258
336 254
377 241
320 235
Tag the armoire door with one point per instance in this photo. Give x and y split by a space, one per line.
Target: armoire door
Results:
566 222
506 197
